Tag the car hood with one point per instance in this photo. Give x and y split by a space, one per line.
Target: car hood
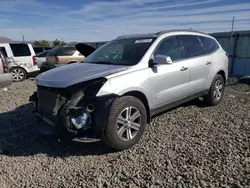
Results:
84 49
68 75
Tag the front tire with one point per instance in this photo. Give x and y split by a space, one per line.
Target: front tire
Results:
216 92
126 123
19 74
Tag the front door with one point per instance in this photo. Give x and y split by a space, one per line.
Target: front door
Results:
170 82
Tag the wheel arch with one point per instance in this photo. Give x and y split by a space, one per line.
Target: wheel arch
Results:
142 97
14 67
18 66
72 61
223 74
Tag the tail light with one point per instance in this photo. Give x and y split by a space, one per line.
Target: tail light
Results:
34 60
57 59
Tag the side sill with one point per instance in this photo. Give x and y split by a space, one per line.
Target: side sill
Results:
168 106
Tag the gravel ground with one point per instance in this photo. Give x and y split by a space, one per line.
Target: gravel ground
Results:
189 146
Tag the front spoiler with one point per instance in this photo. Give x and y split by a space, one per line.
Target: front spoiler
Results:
46 127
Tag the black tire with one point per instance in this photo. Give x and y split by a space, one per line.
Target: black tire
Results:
21 70
43 68
110 136
210 99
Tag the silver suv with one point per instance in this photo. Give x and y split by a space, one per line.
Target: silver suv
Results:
121 85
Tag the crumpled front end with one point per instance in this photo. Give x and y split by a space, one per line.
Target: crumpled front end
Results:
75 111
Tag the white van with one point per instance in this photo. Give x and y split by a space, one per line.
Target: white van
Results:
23 56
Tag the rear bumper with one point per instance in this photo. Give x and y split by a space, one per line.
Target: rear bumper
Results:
5 80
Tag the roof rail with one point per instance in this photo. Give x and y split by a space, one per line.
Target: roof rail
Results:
133 35
157 34
177 30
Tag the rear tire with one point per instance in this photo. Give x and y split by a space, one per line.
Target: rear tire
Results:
19 74
216 92
42 68
126 123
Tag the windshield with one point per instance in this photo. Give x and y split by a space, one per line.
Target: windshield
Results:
121 51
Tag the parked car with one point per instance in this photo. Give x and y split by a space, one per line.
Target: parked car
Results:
6 78
39 49
40 59
63 55
23 56
113 98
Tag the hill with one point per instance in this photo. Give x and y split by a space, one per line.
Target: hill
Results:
5 40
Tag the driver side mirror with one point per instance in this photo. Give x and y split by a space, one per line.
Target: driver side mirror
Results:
161 60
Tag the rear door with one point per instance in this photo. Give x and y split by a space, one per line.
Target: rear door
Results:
210 46
198 63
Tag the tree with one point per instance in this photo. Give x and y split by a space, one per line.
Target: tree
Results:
41 43
58 43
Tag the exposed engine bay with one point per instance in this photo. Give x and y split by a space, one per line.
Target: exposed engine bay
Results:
75 109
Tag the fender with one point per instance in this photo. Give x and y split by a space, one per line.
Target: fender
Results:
109 88
215 72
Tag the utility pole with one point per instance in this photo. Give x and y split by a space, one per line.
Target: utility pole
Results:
232 30
23 38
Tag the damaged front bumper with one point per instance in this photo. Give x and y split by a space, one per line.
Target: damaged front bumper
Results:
85 121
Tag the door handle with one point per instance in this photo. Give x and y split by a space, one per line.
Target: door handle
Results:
184 68
208 62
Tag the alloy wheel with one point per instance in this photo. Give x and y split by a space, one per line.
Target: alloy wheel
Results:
128 123
218 89
18 74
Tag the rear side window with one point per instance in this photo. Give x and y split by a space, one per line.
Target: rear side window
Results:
192 45
209 44
170 47
66 51
3 50
20 50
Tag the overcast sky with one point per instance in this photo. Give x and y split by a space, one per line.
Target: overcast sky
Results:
89 20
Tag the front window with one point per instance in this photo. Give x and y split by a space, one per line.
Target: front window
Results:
170 47
121 51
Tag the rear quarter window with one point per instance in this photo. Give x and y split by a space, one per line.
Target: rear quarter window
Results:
209 44
66 51
20 50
